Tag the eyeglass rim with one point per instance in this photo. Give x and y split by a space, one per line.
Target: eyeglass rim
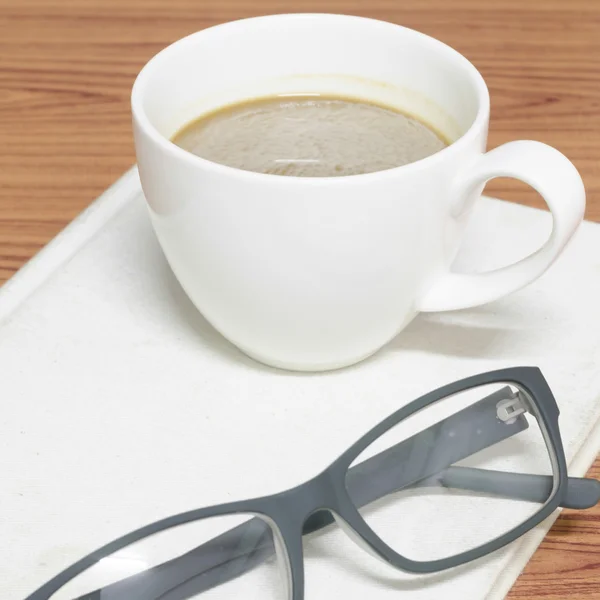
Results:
532 381
277 511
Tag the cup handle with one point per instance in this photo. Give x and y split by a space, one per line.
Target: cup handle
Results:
556 179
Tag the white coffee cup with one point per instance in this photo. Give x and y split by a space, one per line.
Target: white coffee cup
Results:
319 273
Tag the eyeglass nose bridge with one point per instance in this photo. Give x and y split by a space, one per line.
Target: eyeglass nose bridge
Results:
308 508
311 506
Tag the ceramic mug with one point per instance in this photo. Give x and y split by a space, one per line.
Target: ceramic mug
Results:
319 273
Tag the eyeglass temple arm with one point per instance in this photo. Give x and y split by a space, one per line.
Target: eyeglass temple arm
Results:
424 461
581 493
420 461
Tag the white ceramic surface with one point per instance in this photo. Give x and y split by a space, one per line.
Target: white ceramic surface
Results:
319 273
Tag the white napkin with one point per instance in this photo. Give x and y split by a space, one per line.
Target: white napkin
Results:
121 405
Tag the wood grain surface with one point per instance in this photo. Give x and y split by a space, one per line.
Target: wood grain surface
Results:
66 69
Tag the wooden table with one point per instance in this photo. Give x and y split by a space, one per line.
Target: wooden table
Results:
66 68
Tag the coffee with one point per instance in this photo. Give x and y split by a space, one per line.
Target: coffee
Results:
309 136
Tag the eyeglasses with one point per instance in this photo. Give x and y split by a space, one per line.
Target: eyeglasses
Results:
419 491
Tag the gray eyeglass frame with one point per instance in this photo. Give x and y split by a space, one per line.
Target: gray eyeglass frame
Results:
316 503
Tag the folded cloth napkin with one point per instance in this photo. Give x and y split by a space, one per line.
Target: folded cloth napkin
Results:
121 405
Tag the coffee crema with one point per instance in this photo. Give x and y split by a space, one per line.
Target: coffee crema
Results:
309 136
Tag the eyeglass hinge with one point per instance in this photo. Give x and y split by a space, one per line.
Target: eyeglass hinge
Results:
508 410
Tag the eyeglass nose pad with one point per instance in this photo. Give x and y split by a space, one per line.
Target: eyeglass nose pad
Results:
357 539
283 564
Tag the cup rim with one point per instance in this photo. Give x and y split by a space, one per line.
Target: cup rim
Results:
139 113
